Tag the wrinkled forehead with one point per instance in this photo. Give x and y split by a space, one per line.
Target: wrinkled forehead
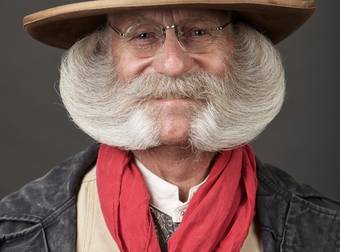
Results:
168 15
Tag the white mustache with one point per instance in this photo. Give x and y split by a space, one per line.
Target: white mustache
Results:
193 86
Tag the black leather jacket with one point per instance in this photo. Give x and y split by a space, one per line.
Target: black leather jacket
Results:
42 215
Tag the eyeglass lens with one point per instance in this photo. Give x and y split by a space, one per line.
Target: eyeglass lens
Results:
145 39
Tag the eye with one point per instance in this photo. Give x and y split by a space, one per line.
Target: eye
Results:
198 32
145 35
144 38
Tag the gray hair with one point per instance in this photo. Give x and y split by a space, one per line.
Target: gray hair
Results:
229 112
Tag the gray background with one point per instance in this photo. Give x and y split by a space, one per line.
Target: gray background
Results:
36 134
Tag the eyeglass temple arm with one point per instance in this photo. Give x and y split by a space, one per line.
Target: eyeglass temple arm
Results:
116 29
234 18
224 26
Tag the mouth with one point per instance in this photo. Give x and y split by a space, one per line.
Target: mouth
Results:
176 101
165 100
171 101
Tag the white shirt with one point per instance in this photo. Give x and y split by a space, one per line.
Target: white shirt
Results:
164 195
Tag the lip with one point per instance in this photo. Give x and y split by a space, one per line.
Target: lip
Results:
171 101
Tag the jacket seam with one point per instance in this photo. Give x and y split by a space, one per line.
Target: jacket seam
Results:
270 230
282 217
337 242
45 240
24 217
16 235
283 244
44 223
59 210
316 208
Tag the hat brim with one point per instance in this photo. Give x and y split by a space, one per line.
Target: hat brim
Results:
64 25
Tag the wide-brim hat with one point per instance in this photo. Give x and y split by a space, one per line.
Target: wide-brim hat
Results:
62 26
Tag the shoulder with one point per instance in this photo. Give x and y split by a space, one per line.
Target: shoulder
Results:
295 216
40 200
274 180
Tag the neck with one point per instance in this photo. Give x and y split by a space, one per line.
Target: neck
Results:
178 165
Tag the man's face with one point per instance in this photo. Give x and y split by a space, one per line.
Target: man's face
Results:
208 97
173 115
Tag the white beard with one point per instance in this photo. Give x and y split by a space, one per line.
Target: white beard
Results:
229 112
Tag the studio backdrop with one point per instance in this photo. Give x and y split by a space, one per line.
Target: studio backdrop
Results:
37 134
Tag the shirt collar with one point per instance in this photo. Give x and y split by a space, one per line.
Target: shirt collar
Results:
165 195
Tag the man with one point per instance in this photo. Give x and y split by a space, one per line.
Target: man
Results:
173 95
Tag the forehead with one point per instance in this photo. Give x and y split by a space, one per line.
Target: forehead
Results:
167 14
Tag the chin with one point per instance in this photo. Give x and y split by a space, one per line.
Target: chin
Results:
182 139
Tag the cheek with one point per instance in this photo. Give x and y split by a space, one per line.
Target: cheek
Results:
218 66
216 62
126 64
212 64
126 68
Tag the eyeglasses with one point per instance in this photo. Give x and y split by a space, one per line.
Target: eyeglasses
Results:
195 36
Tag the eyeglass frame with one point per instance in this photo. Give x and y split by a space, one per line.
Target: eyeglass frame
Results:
167 27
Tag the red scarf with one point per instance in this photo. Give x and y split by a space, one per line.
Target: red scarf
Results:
218 216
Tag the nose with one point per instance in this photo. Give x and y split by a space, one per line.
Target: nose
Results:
171 59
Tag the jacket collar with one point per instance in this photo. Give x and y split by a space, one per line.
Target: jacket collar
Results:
62 184
51 191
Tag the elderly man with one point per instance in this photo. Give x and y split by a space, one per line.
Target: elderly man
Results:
173 92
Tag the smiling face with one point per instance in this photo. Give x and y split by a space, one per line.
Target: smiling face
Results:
173 115
142 91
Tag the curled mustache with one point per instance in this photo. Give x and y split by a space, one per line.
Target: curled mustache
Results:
193 86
